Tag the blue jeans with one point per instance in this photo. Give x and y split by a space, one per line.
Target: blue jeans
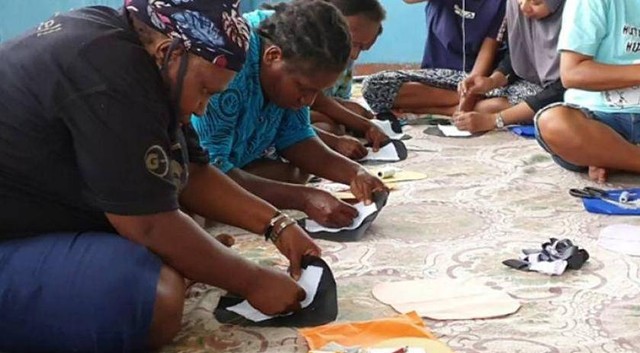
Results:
625 124
76 292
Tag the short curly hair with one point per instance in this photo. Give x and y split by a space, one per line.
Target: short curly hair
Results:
310 33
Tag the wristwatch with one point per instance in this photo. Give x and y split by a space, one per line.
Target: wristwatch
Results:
499 121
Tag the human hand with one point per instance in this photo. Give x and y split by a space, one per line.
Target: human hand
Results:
350 147
475 85
294 243
375 136
273 292
474 121
364 185
327 210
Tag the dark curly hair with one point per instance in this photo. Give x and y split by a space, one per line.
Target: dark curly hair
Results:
310 33
371 9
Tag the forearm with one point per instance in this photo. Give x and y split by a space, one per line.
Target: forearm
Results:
213 195
485 58
279 194
498 79
184 246
316 158
518 114
340 114
584 73
328 138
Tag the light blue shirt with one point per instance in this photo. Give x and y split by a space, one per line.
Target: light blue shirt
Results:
608 31
240 125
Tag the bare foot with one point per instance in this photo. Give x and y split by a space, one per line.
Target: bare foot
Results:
226 239
597 174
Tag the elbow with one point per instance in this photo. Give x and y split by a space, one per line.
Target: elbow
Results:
571 80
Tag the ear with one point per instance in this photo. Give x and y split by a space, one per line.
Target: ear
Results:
161 49
271 54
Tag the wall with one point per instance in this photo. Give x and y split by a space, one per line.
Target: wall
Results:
401 42
404 34
17 16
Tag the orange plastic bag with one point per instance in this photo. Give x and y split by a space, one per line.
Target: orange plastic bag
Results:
366 333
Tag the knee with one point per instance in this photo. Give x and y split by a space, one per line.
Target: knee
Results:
168 308
555 128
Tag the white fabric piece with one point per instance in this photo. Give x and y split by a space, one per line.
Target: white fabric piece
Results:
309 281
554 268
385 125
446 299
387 153
621 238
452 131
363 212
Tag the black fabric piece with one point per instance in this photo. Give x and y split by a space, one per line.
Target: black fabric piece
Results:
401 150
517 264
553 93
323 309
380 199
553 250
434 131
395 123
429 120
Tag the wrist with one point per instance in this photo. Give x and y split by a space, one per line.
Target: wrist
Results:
358 171
277 225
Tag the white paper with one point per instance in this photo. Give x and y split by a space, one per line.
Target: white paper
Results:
385 125
452 131
386 153
309 281
622 238
363 212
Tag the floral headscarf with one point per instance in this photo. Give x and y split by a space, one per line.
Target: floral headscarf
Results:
211 29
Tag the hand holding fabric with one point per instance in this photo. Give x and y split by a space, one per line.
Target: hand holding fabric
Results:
273 292
350 147
364 185
327 210
375 136
294 243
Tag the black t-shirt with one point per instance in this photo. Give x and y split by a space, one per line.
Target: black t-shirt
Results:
86 128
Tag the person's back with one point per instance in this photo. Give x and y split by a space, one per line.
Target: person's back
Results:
39 175
95 144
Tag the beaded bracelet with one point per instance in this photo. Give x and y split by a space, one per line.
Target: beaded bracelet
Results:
272 223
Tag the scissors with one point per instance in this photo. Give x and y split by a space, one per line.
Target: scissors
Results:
589 192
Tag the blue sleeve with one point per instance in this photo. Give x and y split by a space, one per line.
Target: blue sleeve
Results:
217 132
295 127
588 19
